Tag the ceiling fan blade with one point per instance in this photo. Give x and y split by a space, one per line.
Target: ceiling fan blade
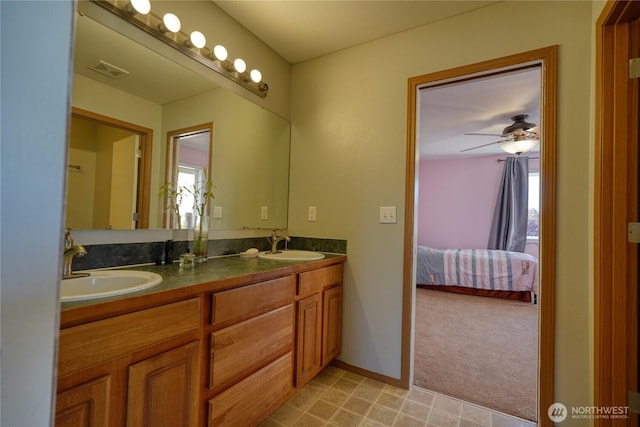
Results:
484 145
483 134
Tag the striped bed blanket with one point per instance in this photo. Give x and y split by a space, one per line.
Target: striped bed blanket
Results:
477 268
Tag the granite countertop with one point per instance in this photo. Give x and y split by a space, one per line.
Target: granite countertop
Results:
215 274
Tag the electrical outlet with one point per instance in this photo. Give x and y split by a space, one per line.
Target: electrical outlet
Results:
264 212
387 214
217 212
312 213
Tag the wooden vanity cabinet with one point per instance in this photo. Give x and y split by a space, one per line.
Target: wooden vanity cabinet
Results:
219 358
251 345
139 368
318 321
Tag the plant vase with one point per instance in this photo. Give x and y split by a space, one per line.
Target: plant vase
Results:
201 238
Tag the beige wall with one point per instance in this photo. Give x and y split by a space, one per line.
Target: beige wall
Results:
236 145
348 158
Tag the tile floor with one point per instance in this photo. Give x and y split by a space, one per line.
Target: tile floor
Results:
337 398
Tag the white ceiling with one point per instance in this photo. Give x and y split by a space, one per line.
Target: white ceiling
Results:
303 29
483 105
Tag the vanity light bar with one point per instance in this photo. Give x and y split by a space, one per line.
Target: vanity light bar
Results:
192 46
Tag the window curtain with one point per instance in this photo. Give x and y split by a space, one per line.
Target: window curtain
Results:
509 227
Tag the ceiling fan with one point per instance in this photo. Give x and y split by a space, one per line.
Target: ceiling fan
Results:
519 137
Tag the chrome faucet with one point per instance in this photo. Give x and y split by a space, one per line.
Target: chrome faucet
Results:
71 251
275 239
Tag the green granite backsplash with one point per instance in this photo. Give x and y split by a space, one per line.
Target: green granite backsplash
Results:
116 255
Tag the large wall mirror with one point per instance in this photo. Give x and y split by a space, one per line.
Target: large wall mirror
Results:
117 78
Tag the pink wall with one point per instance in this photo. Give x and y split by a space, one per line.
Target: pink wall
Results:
456 201
193 157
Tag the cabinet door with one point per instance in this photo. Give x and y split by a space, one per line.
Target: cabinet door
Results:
163 390
308 338
85 405
331 324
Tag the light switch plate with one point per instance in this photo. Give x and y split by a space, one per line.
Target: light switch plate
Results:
387 215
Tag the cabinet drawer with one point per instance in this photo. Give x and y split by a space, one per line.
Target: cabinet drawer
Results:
316 280
243 348
96 342
235 305
252 399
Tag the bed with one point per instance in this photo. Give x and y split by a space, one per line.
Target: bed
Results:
486 272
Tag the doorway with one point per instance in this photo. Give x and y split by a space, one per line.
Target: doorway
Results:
479 345
547 60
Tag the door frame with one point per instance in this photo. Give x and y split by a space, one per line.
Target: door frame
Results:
171 162
146 148
616 166
547 57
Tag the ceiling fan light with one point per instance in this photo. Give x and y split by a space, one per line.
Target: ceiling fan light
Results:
519 146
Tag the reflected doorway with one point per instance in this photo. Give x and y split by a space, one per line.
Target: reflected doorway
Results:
189 152
108 173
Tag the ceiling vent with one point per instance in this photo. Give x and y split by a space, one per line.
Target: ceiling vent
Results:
110 70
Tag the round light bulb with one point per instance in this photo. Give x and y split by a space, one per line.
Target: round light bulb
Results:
171 22
220 52
256 76
141 6
198 39
240 65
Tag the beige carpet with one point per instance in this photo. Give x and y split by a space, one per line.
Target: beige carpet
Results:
478 349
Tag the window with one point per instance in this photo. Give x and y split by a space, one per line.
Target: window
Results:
188 176
534 205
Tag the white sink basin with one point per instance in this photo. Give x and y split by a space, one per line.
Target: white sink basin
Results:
292 255
107 283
